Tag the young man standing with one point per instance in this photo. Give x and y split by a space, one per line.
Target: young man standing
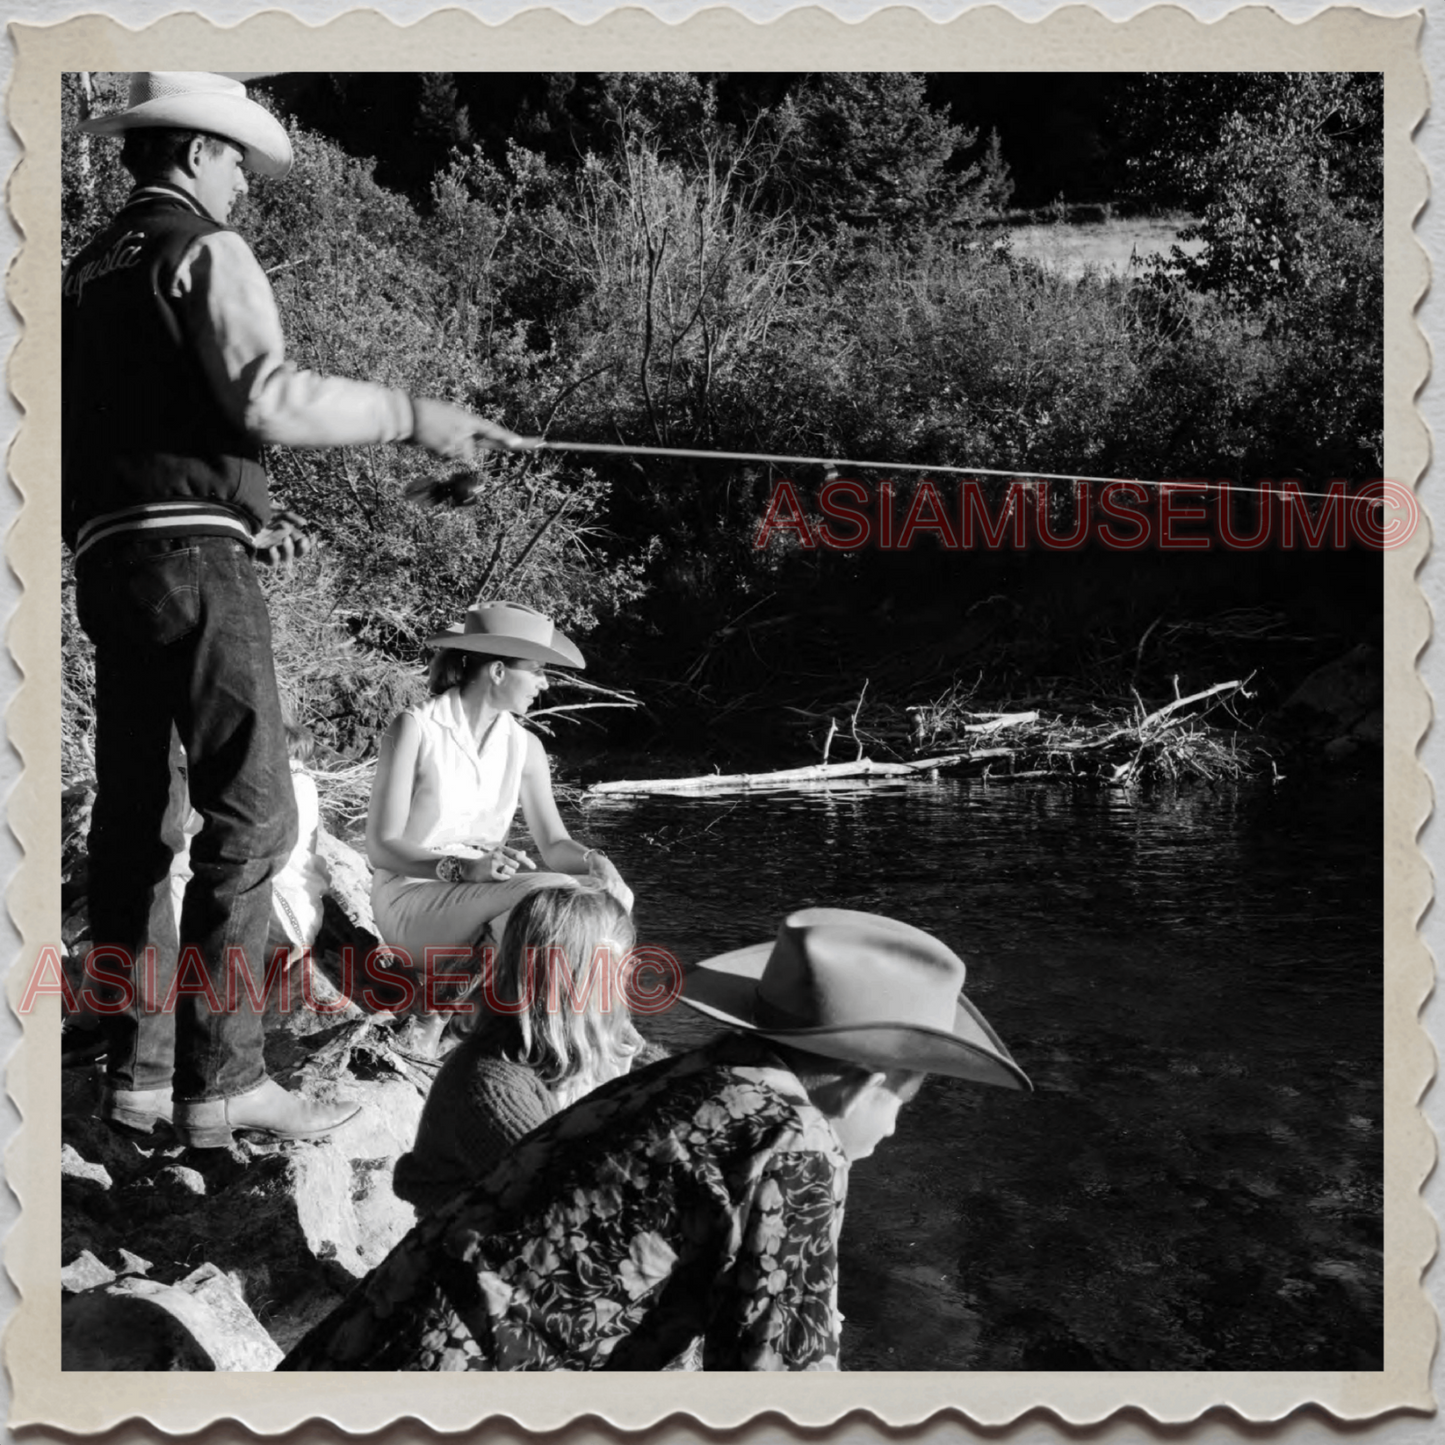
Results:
173 378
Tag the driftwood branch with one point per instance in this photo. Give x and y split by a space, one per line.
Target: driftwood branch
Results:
853 722
999 720
784 778
1185 701
581 684
1154 717
579 707
564 506
1034 742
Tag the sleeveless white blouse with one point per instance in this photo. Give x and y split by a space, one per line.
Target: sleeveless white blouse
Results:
464 794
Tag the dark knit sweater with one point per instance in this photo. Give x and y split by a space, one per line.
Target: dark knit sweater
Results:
479 1106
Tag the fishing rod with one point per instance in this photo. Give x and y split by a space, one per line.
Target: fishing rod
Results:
460 489
835 464
831 463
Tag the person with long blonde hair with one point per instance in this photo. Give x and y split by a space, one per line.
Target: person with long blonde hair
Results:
549 1024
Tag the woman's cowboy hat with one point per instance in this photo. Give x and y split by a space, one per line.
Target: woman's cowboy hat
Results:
508 629
198 100
859 987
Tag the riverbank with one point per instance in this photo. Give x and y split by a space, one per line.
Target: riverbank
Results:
180 1259
884 651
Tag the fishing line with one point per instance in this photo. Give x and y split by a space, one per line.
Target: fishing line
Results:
835 463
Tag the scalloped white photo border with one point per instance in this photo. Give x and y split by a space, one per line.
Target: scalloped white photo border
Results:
985 39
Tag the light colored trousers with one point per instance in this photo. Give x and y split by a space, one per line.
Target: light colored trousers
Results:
421 913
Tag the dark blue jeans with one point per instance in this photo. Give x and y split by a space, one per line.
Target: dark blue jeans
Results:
183 643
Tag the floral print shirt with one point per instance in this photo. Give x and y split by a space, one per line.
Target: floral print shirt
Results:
685 1216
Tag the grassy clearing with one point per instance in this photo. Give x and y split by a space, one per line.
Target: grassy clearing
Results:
1075 248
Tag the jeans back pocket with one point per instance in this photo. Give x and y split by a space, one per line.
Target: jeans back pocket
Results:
142 599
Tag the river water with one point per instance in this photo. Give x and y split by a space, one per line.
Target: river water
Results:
1193 982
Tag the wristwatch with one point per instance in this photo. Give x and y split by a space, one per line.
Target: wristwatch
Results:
449 869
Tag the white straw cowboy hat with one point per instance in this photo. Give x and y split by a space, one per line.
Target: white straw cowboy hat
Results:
198 100
508 629
858 987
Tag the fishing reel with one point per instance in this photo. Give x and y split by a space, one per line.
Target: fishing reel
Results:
458 490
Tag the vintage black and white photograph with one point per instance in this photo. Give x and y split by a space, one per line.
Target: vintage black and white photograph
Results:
722 721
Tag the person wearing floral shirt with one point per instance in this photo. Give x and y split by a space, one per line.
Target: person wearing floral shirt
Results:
686 1216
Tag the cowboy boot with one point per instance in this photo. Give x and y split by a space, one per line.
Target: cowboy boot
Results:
266 1109
134 1111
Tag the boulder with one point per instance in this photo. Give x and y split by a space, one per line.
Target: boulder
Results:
349 919
123 1157
1341 692
239 1341
298 1224
295 1223
180 1182
310 1003
1340 705
73 1166
84 1272
133 1263
290 1227
342 1186
1371 728
120 1328
200 1323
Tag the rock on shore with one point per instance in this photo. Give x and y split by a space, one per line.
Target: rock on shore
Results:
1341 704
220 1259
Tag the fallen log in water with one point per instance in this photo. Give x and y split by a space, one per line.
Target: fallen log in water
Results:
996 722
1168 743
784 777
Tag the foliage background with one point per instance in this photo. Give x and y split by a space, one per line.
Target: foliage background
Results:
796 263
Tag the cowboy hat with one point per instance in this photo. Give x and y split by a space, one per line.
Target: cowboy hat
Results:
198 100
858 987
508 629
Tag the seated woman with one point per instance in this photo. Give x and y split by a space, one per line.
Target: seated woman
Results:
447 785
690 1211
518 1066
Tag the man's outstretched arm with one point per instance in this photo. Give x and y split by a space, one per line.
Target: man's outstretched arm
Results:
229 313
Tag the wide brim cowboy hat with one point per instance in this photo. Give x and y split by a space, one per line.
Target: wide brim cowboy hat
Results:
857 987
508 629
199 100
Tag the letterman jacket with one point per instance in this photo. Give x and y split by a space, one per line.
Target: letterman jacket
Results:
174 375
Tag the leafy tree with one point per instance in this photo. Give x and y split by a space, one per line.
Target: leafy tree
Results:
1288 185
92 184
676 112
866 150
441 123
1285 173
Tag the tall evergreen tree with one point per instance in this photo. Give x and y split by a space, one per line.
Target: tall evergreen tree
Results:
866 150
